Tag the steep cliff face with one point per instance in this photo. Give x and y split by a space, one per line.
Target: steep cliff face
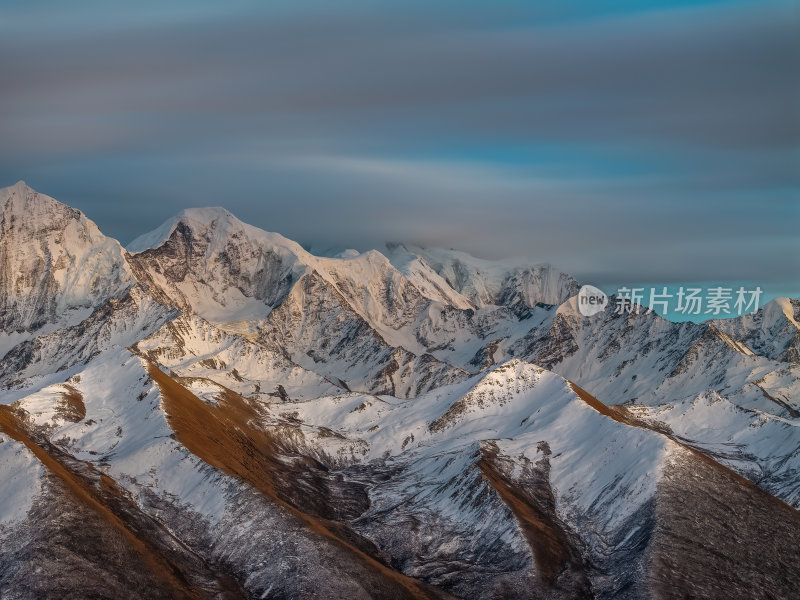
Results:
208 262
192 347
52 356
772 331
351 320
55 265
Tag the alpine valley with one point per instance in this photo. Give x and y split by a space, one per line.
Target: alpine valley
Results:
215 412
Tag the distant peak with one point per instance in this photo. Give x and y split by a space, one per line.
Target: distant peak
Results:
21 188
206 215
782 306
215 223
194 218
33 207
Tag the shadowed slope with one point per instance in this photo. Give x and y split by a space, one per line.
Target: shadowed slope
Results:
558 562
223 437
173 573
717 534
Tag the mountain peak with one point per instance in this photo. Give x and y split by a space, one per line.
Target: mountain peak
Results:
772 331
20 185
20 188
26 213
517 282
215 223
53 261
207 215
23 199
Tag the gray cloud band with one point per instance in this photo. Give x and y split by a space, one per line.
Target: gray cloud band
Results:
279 118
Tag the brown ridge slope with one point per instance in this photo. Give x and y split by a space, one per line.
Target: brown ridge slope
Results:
622 415
105 499
717 534
224 437
547 541
559 564
617 413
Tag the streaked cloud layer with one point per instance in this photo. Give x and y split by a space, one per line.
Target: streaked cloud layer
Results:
622 141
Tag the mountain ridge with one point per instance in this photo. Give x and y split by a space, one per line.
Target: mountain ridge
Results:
415 424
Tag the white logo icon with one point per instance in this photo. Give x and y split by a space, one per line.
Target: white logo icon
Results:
591 300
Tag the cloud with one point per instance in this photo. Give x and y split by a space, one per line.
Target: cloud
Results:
604 138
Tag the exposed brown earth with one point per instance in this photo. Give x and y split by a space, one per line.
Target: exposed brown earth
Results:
618 413
546 540
176 573
225 436
71 406
623 415
66 550
174 581
558 562
719 536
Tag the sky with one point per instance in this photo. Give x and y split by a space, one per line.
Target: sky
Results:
624 142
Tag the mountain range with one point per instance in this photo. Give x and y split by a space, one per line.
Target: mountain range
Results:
215 412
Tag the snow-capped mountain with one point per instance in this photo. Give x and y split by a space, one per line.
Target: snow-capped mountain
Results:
55 265
772 331
514 283
215 412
